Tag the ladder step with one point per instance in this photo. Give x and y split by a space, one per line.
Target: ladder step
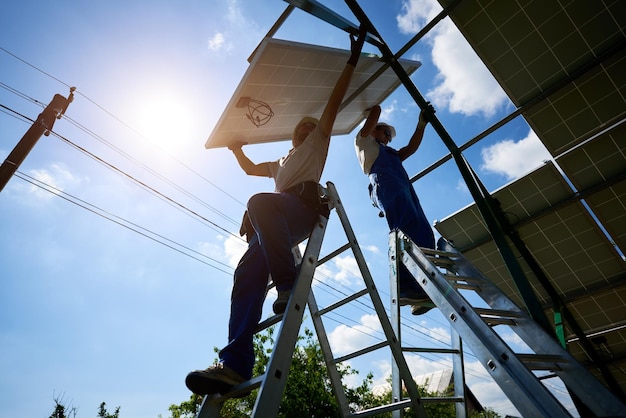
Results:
497 316
471 283
442 399
440 258
431 350
361 352
342 302
405 403
468 279
466 286
541 361
239 391
268 322
441 262
430 252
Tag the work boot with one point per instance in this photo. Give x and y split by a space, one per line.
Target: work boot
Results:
218 378
280 304
422 308
412 297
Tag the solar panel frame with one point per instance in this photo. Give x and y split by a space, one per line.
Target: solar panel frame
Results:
296 80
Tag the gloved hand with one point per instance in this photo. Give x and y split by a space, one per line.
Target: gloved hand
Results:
356 45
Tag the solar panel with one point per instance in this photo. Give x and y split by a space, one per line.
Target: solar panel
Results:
288 80
599 165
569 245
556 228
532 45
565 63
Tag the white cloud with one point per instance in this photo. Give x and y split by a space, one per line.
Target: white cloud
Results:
464 84
371 248
513 159
235 23
415 13
345 339
461 186
216 42
345 271
348 269
233 250
387 111
55 176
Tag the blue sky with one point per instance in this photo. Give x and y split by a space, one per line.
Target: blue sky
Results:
115 297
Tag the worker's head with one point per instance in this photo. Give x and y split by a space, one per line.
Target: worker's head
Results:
303 129
384 132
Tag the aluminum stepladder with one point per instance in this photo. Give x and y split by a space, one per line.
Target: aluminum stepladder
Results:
272 383
442 273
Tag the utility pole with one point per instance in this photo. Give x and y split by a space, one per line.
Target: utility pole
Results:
42 126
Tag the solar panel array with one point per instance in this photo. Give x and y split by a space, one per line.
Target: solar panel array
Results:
564 63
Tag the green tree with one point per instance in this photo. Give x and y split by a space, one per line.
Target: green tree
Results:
61 411
187 409
308 392
103 413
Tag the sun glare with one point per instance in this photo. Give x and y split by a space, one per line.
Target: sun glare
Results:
165 122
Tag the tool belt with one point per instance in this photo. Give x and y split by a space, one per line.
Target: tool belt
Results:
311 193
246 227
308 191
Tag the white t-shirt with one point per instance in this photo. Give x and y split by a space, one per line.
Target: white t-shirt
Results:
367 149
304 163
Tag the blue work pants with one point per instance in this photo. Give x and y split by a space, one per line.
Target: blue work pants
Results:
281 220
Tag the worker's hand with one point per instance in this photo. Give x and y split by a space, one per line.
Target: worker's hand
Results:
425 114
236 145
356 45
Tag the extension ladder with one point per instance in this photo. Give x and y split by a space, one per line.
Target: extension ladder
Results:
442 274
455 351
272 383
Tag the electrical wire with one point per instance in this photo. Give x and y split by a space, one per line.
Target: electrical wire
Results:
124 222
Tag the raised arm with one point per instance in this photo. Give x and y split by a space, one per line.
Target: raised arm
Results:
415 141
371 121
327 120
250 168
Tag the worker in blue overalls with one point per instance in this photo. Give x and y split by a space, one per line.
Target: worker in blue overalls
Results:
392 192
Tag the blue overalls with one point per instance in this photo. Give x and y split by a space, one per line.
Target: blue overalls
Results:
392 191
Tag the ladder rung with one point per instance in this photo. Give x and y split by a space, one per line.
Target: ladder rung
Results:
498 316
441 262
466 286
498 313
342 302
241 389
361 352
456 278
442 399
541 361
471 283
431 252
406 403
268 322
430 350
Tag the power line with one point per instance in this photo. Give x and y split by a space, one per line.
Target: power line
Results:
131 158
122 222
